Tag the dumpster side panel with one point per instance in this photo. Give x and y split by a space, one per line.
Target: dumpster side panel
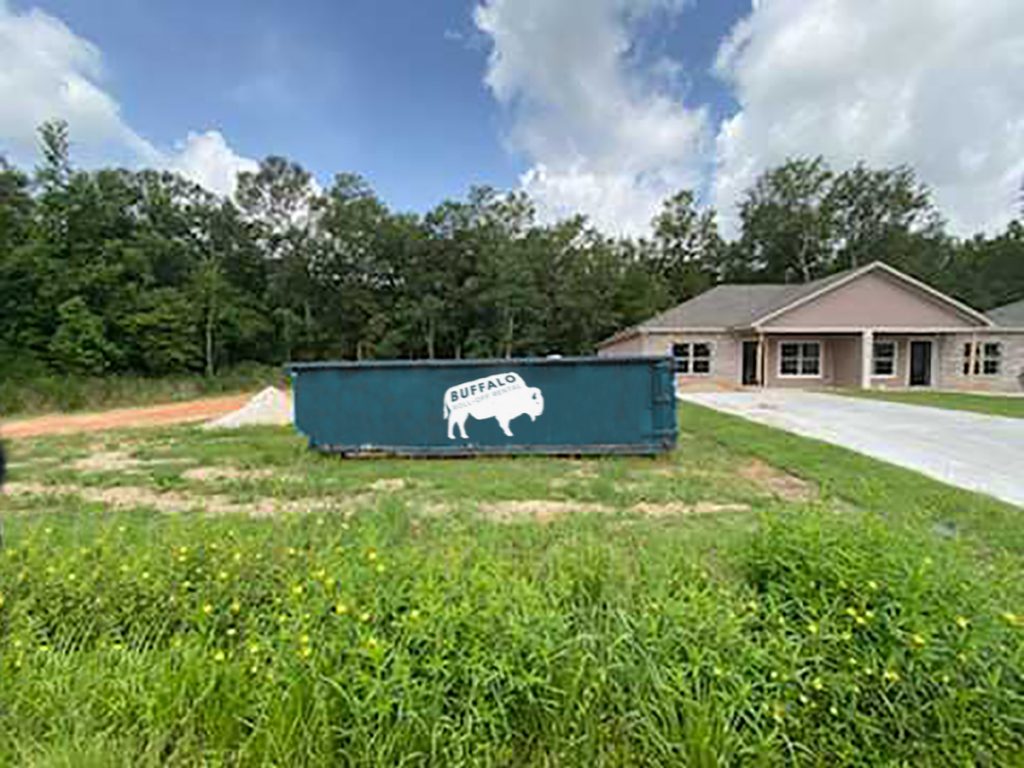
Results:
579 405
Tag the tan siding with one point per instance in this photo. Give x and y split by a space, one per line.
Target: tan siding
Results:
951 360
623 348
840 364
725 358
845 357
873 300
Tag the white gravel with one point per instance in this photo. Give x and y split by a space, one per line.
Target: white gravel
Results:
272 406
970 450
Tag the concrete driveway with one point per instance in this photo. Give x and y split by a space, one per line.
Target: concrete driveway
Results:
969 450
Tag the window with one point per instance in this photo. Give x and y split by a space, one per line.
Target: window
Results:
692 358
987 358
884 359
800 358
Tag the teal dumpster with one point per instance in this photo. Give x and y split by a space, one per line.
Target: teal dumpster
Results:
581 405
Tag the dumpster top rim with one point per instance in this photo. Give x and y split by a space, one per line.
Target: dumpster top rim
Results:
485 362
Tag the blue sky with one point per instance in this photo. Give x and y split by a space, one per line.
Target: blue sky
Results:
391 89
598 106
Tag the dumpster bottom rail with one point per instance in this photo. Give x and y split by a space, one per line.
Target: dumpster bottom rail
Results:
469 451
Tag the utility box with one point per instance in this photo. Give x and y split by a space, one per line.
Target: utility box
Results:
582 405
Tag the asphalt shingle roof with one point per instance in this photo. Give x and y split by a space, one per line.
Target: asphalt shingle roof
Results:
1008 315
736 306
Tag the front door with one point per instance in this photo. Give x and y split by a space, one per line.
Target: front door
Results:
749 376
920 363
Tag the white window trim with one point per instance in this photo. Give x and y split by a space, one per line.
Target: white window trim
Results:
690 344
895 359
821 359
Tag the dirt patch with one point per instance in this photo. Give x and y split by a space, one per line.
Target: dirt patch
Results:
678 509
583 472
540 510
133 497
435 509
777 482
124 418
119 461
106 461
388 485
206 474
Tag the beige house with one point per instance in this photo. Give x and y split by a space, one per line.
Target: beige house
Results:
870 327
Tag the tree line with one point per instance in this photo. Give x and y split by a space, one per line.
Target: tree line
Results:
120 271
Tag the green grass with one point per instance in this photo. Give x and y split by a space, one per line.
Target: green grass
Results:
994 405
406 622
46 393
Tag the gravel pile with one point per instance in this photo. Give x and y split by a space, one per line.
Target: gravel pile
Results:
271 406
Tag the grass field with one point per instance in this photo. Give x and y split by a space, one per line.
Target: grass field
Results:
22 395
993 405
755 598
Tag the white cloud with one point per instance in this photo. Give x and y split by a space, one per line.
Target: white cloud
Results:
207 159
604 139
48 72
936 84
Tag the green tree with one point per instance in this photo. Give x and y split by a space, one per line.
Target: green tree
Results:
788 227
79 345
687 246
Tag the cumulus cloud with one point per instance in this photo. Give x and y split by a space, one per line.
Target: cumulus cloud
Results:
48 72
604 139
936 84
207 159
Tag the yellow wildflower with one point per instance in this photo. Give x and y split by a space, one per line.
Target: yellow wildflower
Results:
1010 618
297 589
891 676
218 656
873 585
364 617
371 555
207 609
341 609
812 627
817 684
413 614
962 622
232 632
917 640
305 652
236 606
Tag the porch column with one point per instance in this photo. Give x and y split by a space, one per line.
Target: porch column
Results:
867 348
762 364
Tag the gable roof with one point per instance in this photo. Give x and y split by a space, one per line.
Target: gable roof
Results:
734 306
1009 315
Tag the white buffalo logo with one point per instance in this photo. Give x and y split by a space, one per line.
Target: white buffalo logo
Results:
503 396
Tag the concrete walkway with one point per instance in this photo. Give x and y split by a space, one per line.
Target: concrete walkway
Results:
969 450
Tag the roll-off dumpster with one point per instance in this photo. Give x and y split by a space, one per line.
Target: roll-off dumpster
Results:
579 405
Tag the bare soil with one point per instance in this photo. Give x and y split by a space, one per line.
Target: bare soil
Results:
124 418
777 482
